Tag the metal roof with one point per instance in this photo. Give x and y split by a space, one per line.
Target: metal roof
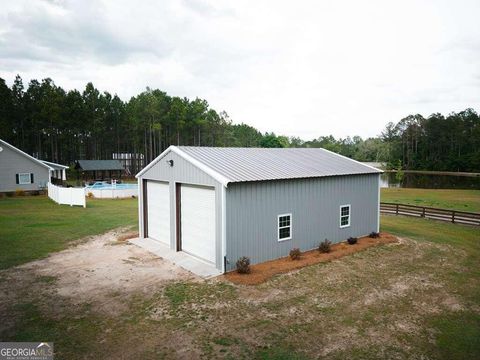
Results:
258 164
94 165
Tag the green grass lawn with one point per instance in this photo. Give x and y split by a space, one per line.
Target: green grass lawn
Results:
417 299
32 227
464 200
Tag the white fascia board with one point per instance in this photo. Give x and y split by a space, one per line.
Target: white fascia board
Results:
55 164
25 154
378 171
154 161
209 171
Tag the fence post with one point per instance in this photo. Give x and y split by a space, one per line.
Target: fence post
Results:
453 217
423 212
396 212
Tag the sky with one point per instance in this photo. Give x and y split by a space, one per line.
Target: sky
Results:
298 68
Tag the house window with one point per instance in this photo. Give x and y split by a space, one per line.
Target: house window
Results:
24 178
284 227
345 213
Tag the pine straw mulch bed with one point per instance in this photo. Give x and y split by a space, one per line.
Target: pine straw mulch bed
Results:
260 273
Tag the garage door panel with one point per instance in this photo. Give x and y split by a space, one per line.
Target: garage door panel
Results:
198 222
158 210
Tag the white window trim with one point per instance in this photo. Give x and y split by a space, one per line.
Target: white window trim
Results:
290 226
29 178
349 216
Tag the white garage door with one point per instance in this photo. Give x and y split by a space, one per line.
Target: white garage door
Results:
158 210
198 222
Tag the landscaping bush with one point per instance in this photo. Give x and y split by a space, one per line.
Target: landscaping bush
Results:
90 195
325 246
295 254
374 235
19 192
352 240
243 265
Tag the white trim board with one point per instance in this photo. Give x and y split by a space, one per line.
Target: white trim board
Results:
55 164
209 171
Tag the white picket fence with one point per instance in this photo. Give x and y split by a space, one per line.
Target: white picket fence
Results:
112 193
67 196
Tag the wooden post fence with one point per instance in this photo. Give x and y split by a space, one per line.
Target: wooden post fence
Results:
453 216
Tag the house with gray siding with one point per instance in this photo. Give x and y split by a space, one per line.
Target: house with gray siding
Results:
20 171
219 204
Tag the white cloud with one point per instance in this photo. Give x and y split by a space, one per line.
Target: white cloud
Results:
305 68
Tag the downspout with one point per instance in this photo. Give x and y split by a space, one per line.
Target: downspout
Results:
378 206
224 229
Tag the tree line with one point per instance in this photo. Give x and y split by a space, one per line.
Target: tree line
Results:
61 126
438 142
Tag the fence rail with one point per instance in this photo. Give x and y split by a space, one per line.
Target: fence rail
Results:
67 196
453 216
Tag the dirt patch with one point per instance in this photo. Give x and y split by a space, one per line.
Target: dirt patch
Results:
127 236
101 271
261 272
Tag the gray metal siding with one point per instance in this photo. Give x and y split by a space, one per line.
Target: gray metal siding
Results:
186 173
252 210
12 163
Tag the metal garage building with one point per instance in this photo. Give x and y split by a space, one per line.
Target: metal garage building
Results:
219 204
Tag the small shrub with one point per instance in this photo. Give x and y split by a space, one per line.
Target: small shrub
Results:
352 240
295 254
19 192
325 246
243 265
374 235
90 195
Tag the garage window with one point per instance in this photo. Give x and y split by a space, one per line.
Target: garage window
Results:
24 178
284 227
345 211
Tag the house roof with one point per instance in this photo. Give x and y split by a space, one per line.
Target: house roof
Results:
4 143
228 165
55 166
94 165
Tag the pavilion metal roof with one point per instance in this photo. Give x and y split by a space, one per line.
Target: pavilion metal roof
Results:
96 165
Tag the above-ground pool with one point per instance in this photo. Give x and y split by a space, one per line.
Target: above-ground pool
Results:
105 186
104 190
